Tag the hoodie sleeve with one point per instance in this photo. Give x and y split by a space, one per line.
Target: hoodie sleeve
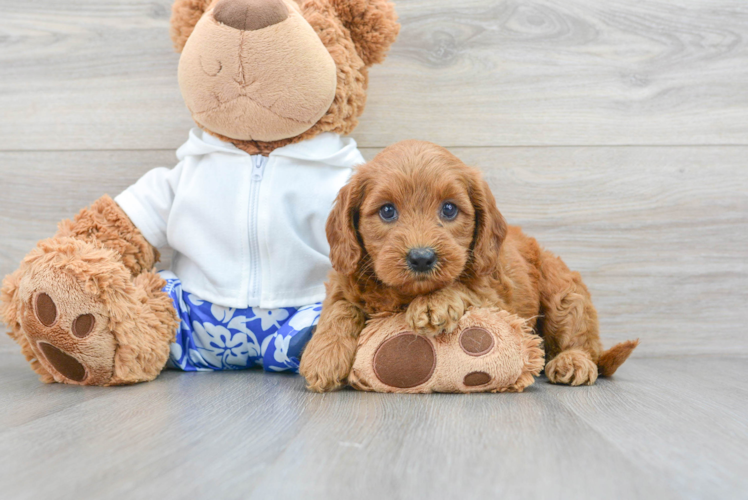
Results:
148 202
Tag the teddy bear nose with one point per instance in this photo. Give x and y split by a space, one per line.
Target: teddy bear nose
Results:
421 260
250 15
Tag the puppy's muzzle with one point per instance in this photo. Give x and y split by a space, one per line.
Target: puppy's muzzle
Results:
421 260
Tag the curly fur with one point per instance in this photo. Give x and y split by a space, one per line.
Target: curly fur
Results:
482 262
103 260
371 24
138 315
107 224
184 16
10 313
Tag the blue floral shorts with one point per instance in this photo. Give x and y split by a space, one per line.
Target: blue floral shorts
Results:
212 337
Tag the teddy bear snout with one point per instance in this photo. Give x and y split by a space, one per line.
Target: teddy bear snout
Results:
250 15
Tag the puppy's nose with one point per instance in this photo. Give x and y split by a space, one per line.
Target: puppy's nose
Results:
250 15
421 260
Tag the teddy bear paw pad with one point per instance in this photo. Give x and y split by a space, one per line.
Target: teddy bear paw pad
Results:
405 360
69 336
476 341
488 351
474 379
65 364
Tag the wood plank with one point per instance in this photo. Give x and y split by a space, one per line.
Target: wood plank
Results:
24 399
101 74
89 74
250 435
681 419
564 72
6 343
165 434
659 234
40 189
447 446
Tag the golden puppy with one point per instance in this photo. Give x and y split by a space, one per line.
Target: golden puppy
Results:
417 230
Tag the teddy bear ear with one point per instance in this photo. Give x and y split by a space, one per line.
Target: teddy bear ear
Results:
373 26
184 16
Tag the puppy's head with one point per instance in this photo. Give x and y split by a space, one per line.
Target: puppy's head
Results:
418 218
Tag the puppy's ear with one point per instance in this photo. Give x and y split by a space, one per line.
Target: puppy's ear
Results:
342 228
490 226
184 16
372 24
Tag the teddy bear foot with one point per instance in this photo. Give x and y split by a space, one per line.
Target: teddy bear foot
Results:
69 335
489 351
82 319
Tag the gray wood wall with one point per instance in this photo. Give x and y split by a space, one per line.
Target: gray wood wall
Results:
615 132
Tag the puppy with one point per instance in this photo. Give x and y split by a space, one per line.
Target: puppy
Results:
416 230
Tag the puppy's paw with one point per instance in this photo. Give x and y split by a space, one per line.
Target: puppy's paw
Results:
325 366
572 367
435 313
417 314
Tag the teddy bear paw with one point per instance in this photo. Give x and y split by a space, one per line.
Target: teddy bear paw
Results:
69 335
488 352
71 305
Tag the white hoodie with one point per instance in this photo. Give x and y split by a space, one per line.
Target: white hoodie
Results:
247 230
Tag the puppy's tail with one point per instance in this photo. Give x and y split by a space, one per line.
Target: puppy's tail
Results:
614 357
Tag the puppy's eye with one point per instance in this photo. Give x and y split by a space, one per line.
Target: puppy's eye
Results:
388 212
449 211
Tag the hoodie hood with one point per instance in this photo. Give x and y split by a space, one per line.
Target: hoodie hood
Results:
328 148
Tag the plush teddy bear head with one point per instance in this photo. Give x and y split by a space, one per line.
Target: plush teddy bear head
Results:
265 73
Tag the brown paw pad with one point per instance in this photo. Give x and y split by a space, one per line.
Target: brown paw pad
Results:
68 334
64 363
405 360
476 341
490 351
45 309
83 325
46 312
474 379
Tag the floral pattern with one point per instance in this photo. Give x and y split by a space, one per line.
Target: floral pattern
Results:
212 337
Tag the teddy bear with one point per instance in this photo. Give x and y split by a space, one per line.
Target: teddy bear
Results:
273 87
490 350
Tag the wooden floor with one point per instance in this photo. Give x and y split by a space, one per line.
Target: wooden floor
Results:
615 132
671 427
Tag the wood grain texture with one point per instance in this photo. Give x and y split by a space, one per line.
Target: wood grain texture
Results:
659 234
40 189
101 74
614 132
255 435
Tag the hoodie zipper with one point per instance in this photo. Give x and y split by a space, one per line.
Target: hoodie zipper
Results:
255 271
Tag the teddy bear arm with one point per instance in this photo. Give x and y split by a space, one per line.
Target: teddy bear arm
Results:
105 224
73 295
